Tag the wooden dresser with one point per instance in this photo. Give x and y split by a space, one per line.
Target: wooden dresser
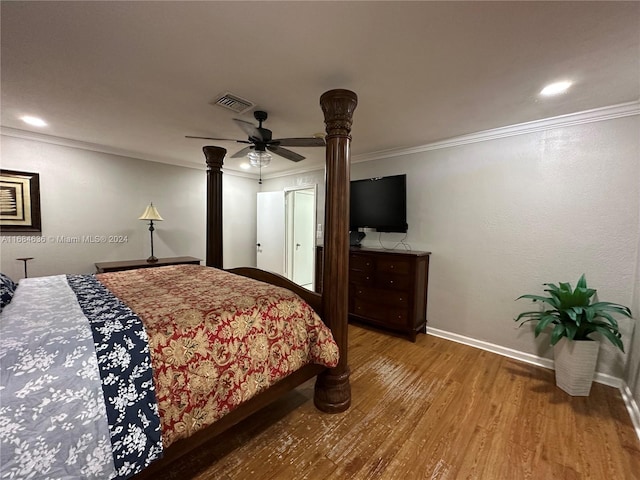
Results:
387 288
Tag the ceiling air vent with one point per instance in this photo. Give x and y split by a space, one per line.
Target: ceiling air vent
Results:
234 102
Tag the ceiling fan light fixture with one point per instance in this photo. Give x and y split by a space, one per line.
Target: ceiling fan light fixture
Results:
259 159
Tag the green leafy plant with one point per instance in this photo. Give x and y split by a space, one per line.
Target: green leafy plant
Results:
573 315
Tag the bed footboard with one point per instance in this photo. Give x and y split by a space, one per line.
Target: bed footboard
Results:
312 298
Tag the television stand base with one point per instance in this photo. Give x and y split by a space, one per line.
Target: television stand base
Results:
355 238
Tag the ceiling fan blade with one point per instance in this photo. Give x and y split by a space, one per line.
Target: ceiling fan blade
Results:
242 153
218 139
250 129
283 152
301 142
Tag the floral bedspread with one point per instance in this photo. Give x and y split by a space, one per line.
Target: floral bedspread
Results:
99 372
75 378
213 348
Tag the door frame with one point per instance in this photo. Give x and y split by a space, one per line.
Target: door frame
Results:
288 227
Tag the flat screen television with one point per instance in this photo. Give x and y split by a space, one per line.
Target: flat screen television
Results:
379 203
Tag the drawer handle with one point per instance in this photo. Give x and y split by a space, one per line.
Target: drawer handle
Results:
400 298
391 281
368 278
392 266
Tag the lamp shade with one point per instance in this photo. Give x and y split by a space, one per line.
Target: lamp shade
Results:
150 213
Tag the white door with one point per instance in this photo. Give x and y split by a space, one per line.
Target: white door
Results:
303 237
270 232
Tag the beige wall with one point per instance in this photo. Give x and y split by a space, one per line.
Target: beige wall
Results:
632 374
85 193
504 216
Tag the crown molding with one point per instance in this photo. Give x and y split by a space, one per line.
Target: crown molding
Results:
579 118
241 173
95 147
588 116
295 171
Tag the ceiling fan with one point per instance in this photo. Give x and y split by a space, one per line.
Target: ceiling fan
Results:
260 140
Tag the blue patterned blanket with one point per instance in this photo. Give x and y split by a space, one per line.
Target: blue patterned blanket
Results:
78 397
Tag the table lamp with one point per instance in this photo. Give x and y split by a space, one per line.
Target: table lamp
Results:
151 214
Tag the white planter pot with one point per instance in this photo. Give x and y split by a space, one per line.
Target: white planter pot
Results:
575 365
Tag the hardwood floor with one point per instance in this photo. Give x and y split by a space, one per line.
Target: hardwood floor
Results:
434 409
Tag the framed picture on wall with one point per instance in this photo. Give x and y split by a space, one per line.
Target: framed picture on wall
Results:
19 202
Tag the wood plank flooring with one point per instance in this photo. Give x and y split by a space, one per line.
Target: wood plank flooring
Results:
433 409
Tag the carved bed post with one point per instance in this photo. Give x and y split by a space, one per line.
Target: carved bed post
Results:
332 390
214 156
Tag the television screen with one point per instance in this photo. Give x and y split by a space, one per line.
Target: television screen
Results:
379 203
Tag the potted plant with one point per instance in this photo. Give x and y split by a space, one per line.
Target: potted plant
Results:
574 318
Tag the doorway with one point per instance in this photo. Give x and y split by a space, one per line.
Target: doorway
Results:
270 232
300 225
286 236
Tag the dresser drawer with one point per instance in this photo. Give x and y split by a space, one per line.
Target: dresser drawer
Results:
361 262
385 315
358 277
392 281
393 265
376 296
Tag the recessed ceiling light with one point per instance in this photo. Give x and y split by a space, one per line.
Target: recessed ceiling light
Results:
33 121
245 166
555 88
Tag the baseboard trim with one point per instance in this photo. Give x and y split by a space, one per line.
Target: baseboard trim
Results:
632 407
603 378
491 347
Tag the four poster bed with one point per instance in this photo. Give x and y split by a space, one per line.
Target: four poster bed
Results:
168 330
332 389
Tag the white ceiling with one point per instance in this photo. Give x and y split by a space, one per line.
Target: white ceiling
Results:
136 77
